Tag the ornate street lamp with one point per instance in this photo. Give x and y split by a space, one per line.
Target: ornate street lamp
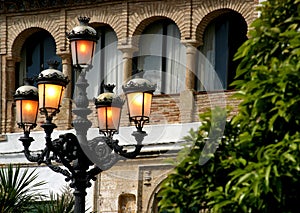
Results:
109 108
139 94
66 155
27 104
51 84
83 39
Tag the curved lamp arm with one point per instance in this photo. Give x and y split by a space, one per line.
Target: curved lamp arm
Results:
64 150
26 141
139 137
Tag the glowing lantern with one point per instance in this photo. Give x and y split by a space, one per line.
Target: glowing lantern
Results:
109 108
26 98
51 84
139 94
83 39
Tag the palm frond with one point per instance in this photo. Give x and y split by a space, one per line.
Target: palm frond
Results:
18 188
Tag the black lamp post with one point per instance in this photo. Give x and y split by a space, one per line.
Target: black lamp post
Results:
66 155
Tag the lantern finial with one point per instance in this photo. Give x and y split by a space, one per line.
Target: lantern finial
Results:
109 87
28 81
83 20
53 64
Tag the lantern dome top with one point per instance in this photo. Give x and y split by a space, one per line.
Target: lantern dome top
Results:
53 75
139 85
108 98
83 31
27 91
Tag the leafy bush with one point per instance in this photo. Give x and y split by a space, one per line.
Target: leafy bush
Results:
256 168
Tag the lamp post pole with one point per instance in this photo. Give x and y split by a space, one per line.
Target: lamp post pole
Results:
81 125
79 37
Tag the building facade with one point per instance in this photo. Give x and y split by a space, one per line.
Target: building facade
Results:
185 47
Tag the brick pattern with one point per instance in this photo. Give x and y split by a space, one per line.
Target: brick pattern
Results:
205 11
142 14
20 27
3 27
127 19
210 100
109 14
165 109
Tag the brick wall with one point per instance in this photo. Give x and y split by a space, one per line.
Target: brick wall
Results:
127 18
210 100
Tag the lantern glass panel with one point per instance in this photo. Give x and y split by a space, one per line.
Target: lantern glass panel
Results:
50 96
109 118
139 104
27 111
82 52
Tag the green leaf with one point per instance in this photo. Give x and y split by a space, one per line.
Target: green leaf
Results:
267 176
289 157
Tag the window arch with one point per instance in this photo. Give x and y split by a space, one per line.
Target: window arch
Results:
162 56
155 198
222 37
155 207
107 67
36 51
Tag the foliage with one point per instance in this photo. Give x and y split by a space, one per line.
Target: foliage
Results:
17 189
256 168
20 192
58 203
184 189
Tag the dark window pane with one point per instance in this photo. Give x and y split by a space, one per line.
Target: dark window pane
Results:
222 37
36 51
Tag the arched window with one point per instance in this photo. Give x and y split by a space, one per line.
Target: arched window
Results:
162 56
107 67
222 37
36 51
